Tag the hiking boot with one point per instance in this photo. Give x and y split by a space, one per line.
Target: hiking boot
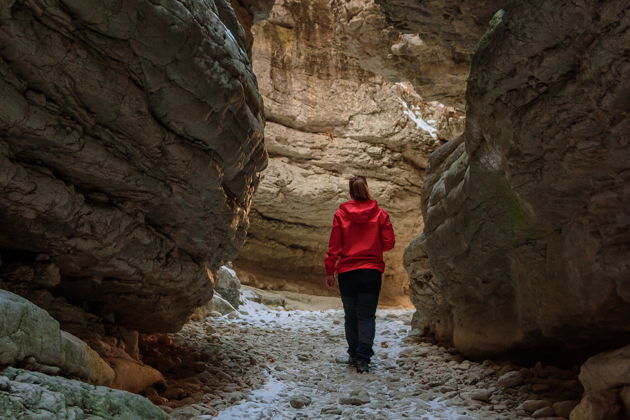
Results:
352 361
363 366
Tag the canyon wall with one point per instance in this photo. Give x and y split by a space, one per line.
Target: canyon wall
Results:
131 141
333 111
527 215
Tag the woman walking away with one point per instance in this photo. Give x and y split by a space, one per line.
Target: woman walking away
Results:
361 232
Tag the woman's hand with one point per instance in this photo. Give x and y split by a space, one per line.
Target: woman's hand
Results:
330 281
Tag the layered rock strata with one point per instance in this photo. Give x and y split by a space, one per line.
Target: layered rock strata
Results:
130 146
527 216
445 36
332 113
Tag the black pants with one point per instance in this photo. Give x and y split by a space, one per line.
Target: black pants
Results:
359 294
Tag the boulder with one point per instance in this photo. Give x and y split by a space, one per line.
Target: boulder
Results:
228 285
25 394
132 375
597 406
606 381
29 332
217 305
606 371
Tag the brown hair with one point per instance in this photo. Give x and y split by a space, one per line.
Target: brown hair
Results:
359 189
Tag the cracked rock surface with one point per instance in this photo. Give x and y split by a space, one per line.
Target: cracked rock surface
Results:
527 215
130 145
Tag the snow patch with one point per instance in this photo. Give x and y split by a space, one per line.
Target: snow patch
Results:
413 113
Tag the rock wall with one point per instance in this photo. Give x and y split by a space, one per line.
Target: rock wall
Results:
131 141
527 216
331 113
448 33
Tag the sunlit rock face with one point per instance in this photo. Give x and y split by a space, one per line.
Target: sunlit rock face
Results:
444 35
131 141
331 114
527 216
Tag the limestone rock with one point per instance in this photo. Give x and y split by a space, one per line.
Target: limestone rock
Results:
510 379
534 405
300 401
526 214
355 397
27 394
481 395
228 285
439 72
606 380
564 408
543 412
132 375
433 316
330 115
606 370
449 33
597 406
263 297
27 331
216 305
130 145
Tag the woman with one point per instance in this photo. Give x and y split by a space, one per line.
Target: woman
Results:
361 232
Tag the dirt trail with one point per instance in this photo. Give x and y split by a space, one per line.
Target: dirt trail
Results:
291 365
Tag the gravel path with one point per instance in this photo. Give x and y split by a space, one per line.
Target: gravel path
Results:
309 378
296 370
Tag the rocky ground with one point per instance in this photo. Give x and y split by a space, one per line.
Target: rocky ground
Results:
266 362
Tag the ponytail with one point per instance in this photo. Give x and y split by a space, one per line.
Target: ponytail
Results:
359 189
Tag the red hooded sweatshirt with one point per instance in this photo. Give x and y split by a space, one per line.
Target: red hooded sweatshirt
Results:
361 232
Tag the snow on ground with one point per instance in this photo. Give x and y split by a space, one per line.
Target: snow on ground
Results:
272 363
307 351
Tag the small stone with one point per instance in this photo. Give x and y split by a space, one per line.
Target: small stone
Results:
481 395
356 397
174 393
511 379
564 408
341 359
416 332
543 412
463 366
532 405
332 409
5 384
215 314
300 401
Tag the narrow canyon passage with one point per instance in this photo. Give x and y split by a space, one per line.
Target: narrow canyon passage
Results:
157 155
290 364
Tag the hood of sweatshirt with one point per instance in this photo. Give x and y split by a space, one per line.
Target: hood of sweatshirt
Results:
359 211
